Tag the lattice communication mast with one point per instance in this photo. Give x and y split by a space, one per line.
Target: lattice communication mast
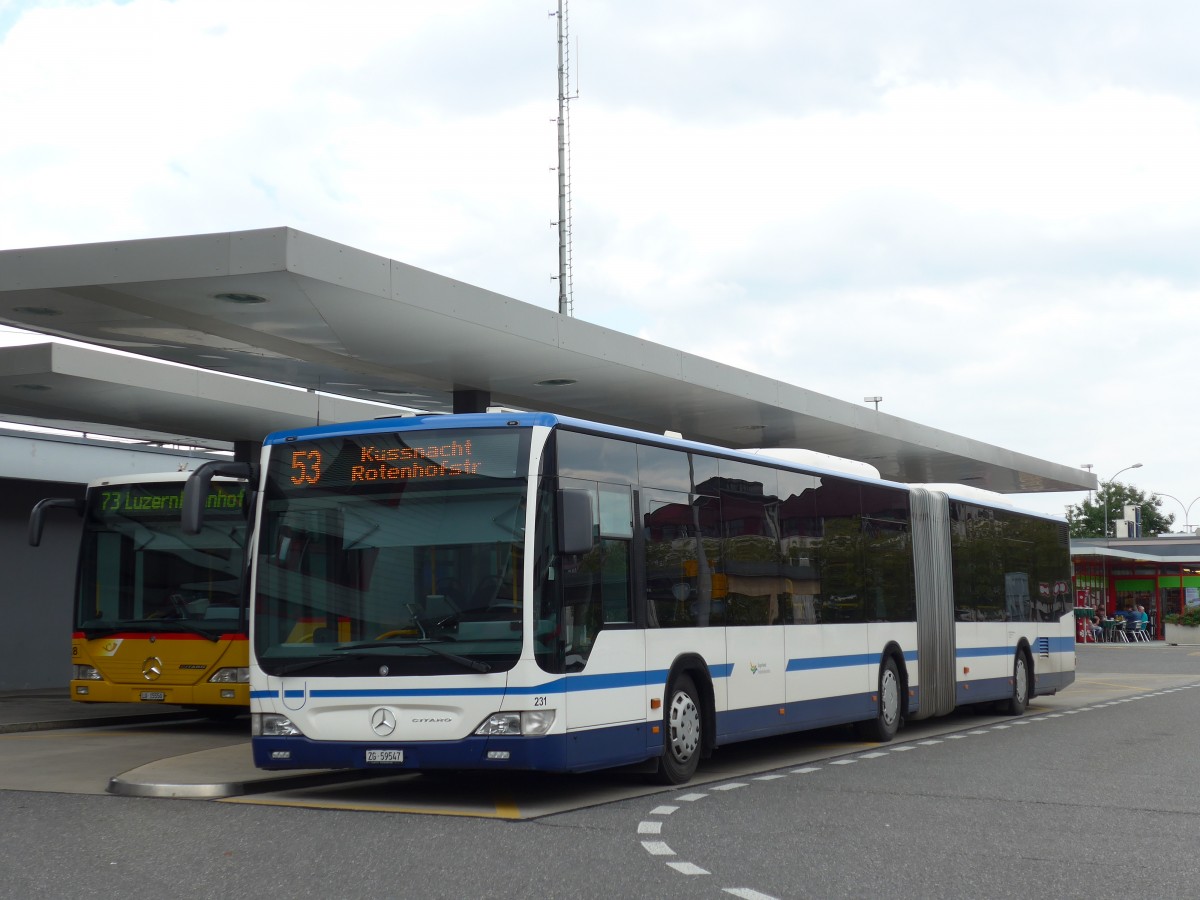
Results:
566 301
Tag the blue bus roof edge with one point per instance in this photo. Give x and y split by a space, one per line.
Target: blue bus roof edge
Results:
415 423
550 420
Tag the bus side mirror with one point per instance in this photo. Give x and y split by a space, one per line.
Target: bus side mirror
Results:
37 517
574 522
195 490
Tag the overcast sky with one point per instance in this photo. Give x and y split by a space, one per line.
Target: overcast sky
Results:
988 214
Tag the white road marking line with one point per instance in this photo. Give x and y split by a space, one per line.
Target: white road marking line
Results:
661 848
747 894
686 868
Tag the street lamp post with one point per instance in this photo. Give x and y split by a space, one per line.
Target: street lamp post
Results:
1186 509
1107 493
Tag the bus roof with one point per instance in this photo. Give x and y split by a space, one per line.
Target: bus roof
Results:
799 459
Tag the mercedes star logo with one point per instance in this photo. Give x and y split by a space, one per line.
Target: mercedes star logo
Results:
383 722
152 668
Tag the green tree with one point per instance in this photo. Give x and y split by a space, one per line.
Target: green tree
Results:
1086 519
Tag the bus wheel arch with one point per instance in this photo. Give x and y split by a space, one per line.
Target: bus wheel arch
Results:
689 721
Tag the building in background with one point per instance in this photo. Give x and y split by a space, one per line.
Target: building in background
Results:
1160 573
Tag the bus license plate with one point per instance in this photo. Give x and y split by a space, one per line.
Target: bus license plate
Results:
153 695
385 756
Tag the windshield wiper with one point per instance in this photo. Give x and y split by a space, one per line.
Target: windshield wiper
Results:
341 654
473 664
304 665
188 626
91 632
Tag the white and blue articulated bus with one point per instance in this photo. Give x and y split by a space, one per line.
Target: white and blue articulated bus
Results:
529 591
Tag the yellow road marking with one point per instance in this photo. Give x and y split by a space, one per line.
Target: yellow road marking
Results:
505 809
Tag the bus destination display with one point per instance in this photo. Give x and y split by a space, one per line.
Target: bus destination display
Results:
153 499
429 458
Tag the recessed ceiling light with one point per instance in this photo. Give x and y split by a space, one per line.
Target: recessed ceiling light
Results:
555 382
38 310
396 392
240 298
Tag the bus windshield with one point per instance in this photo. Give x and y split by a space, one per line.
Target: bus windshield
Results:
393 554
139 571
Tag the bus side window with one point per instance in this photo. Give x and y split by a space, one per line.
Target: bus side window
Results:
596 585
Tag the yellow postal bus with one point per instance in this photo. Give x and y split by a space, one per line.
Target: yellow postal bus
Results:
159 615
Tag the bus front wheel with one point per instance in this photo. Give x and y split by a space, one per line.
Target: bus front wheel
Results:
683 727
886 723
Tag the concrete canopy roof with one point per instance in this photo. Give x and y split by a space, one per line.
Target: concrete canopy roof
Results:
89 390
284 306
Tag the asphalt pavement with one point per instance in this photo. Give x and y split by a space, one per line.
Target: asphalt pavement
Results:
228 771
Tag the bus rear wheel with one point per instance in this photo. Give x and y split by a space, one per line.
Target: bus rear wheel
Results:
886 723
683 728
1015 705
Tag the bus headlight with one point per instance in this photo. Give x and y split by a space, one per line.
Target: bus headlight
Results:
231 676
527 723
273 725
85 673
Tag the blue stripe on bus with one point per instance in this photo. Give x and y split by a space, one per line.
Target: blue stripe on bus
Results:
1052 645
571 684
813 663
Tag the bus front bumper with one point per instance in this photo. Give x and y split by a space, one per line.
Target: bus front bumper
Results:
204 694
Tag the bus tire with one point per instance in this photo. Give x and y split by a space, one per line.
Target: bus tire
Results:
1016 704
683 730
886 723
